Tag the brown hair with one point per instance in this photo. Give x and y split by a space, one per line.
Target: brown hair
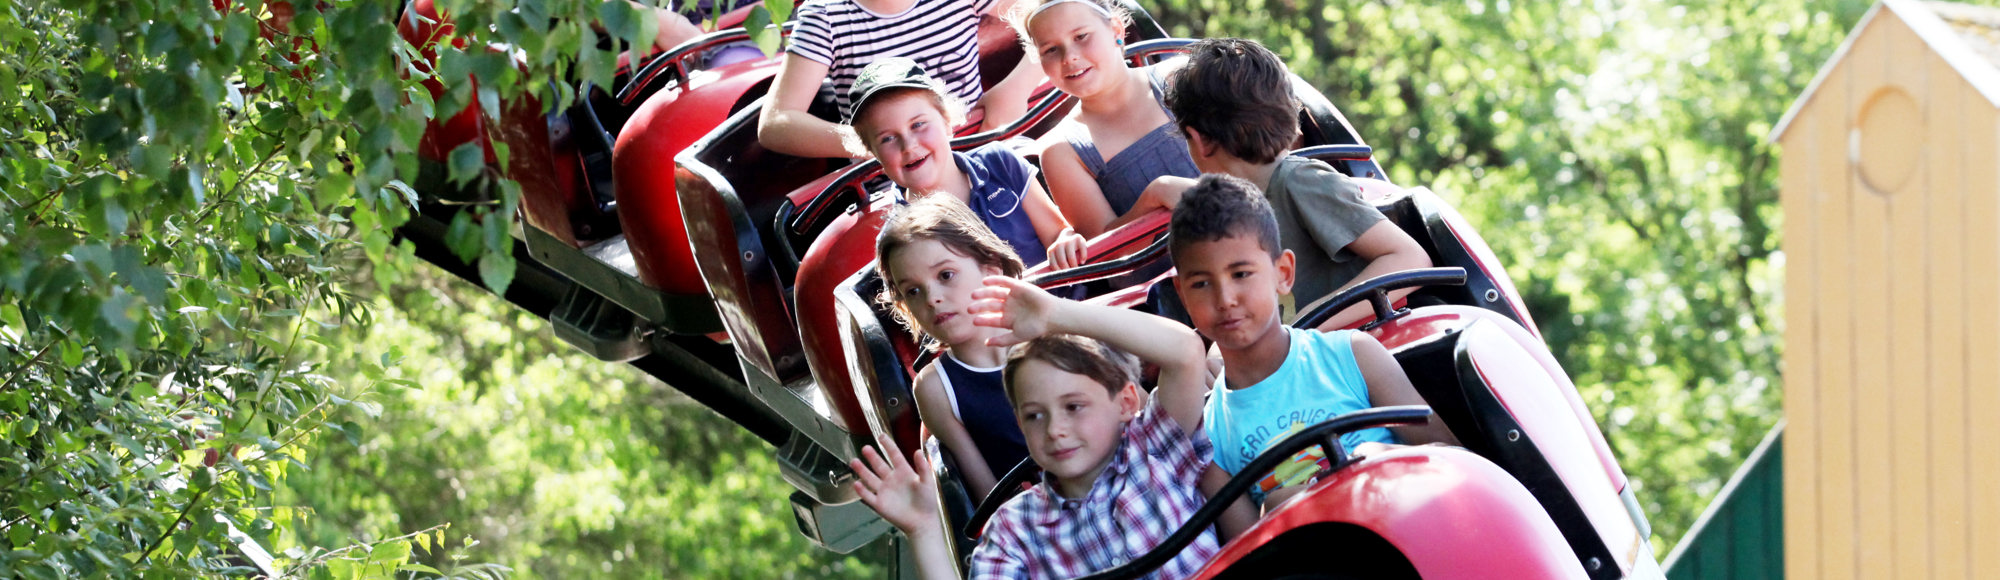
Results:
1121 19
1238 95
1075 355
1222 206
942 219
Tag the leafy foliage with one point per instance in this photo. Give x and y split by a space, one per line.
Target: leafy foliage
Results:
562 465
187 185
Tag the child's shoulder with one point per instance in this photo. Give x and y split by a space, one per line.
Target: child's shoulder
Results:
1337 342
996 152
1306 172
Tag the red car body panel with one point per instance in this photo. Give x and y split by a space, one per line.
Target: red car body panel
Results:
845 247
1535 397
1452 514
643 168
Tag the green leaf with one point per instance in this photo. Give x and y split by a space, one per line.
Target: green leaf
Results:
621 20
466 163
463 237
758 24
393 553
496 270
419 567
781 10
333 189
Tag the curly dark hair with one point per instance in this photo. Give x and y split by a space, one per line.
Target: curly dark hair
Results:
1238 95
1222 206
1075 355
942 219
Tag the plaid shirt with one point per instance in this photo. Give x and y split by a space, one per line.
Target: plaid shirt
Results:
1146 493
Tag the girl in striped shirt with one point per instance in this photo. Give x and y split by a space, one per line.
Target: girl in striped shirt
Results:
834 39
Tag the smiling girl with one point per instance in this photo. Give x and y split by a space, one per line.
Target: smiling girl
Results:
904 118
1123 139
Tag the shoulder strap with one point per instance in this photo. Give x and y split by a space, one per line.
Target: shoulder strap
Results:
950 392
1159 85
1086 150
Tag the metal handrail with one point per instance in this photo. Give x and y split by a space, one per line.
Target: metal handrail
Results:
676 58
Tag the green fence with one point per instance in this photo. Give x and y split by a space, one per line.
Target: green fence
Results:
1742 534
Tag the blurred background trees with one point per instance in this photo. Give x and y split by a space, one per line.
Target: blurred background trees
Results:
200 317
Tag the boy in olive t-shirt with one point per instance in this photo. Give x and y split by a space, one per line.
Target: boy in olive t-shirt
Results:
1233 100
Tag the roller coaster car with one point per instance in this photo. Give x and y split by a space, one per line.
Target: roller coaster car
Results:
690 271
1535 476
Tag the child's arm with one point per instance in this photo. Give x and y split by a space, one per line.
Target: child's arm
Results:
1065 246
785 126
1387 249
1387 386
1007 101
1030 312
1075 191
904 493
935 410
1239 516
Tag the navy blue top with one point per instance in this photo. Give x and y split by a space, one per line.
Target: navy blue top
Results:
979 401
999 184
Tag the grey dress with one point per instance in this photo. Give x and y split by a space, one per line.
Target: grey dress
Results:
1126 175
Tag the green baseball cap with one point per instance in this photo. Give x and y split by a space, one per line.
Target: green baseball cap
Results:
882 75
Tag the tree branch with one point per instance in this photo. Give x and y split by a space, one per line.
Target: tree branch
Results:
196 500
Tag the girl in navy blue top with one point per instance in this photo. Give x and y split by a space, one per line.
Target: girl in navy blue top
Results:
904 118
932 254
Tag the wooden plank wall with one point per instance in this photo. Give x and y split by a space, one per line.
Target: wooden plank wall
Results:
1892 370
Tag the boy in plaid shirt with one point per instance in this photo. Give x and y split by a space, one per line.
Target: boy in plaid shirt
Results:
1122 470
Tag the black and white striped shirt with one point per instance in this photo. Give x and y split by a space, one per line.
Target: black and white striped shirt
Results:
942 35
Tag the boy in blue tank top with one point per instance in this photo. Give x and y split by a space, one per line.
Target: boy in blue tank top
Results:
1276 380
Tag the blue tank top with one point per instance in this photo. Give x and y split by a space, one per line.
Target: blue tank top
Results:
979 400
1126 175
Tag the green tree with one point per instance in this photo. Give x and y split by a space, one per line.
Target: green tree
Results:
561 465
186 185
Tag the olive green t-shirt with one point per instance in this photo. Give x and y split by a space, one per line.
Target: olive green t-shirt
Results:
1319 213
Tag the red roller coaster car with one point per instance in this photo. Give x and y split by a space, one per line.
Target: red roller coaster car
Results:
658 232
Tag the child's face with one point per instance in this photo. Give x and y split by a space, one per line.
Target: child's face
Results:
1230 288
1078 48
1072 424
911 138
934 286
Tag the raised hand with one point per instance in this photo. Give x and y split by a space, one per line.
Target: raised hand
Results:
1024 309
902 492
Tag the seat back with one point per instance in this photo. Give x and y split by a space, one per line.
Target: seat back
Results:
1505 399
729 187
1453 242
845 248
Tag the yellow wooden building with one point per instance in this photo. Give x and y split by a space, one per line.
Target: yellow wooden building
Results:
1891 193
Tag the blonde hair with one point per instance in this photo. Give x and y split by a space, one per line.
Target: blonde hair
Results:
1113 12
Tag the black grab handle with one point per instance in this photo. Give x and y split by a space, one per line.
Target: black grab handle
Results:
1376 291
